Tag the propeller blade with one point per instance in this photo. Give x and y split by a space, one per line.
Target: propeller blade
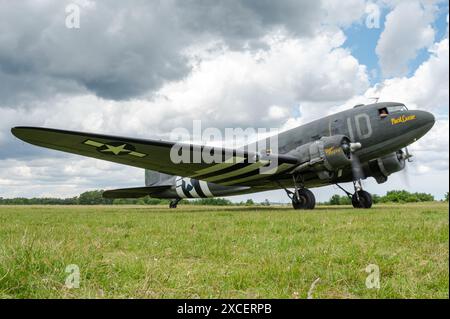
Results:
405 177
357 170
408 155
405 156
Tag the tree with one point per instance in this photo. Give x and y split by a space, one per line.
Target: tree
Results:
249 202
94 198
446 197
335 200
395 196
376 198
265 203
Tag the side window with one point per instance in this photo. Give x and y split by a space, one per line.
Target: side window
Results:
383 112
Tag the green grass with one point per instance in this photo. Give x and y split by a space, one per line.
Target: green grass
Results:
224 252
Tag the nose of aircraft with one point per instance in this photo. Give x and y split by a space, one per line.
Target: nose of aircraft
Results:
424 121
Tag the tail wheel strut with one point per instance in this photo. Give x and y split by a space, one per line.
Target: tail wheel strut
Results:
174 203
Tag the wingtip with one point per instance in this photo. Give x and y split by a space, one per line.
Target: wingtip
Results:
18 131
14 130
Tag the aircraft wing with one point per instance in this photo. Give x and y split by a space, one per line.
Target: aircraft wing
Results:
237 167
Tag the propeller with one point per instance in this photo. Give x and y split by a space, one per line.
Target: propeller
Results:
406 156
350 149
357 170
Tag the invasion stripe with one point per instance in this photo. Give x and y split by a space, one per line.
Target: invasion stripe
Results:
179 189
198 189
230 179
228 169
230 162
193 191
237 172
205 189
279 169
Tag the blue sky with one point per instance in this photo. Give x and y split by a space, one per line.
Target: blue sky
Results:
362 42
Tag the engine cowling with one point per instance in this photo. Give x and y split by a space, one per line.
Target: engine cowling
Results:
326 155
381 168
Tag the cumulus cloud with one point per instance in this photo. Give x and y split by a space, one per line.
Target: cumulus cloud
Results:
225 89
125 51
407 30
427 89
344 13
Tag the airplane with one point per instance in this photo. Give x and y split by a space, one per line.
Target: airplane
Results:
349 146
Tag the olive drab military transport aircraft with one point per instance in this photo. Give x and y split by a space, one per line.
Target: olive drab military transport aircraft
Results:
349 146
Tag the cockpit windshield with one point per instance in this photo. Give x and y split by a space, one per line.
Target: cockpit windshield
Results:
397 108
385 111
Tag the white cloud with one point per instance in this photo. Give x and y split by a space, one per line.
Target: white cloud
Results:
407 30
343 13
426 89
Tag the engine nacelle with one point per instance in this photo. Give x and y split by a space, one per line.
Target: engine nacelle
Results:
381 168
324 156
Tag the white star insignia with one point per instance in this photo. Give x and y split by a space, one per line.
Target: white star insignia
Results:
116 150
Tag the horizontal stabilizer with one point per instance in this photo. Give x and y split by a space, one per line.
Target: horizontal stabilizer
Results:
135 192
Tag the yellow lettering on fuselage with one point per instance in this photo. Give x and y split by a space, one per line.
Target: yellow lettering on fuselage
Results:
402 119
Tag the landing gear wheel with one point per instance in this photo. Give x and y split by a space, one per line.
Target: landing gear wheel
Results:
362 199
304 200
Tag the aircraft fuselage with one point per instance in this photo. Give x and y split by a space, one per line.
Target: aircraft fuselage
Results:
380 128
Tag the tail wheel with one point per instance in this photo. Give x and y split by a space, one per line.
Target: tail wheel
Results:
305 199
362 199
174 203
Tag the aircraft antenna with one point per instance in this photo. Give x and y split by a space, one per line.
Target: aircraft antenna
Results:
375 98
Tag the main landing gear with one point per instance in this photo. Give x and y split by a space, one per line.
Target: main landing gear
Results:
360 198
174 203
301 197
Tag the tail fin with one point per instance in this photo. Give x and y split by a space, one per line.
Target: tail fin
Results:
153 178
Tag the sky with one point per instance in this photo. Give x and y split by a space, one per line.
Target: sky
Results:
143 68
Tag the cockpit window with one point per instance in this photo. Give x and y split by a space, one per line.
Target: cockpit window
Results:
383 112
397 108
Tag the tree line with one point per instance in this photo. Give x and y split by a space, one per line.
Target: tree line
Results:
95 198
395 196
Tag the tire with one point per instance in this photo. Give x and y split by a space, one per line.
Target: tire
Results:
365 200
305 200
173 204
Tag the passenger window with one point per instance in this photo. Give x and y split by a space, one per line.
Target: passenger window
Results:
383 112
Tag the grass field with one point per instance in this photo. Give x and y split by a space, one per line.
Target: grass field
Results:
226 252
